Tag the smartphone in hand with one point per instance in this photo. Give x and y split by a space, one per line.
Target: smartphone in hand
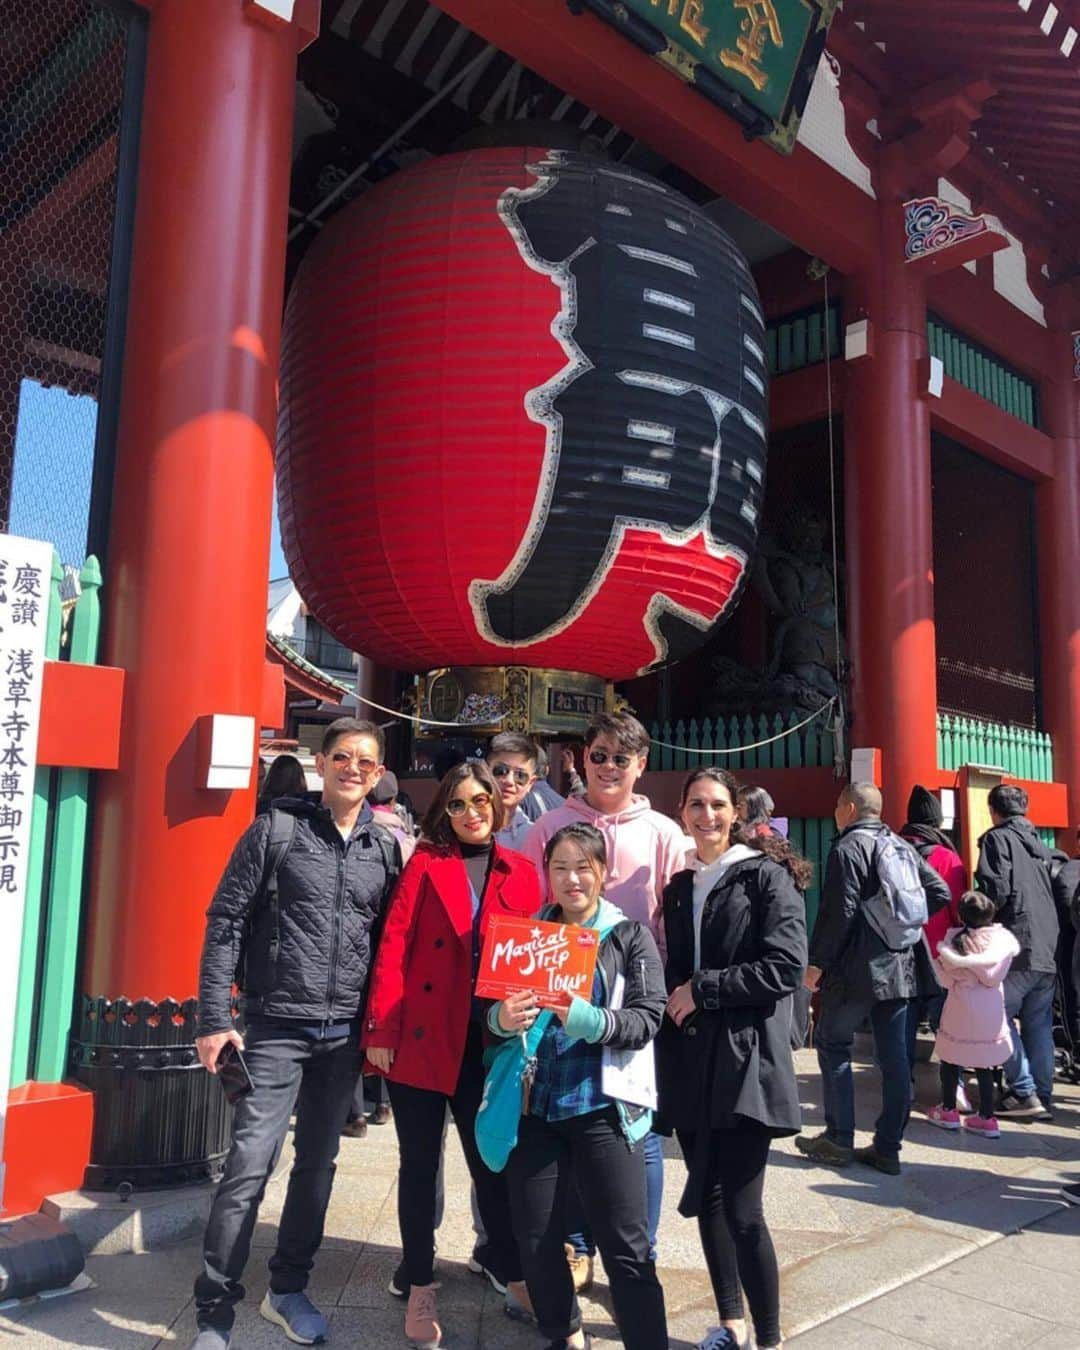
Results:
232 1070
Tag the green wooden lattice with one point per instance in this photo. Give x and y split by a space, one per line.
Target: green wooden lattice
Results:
1019 751
800 339
810 746
982 372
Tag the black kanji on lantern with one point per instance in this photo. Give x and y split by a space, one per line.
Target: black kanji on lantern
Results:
657 422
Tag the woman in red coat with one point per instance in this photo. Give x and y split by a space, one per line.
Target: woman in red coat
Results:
424 1027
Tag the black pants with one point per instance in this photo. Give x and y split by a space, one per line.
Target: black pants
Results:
318 1077
950 1079
370 1093
734 1236
591 1150
419 1118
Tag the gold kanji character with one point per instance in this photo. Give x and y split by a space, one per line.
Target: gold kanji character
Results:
690 14
761 24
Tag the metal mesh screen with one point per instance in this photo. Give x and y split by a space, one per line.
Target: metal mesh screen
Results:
984 588
61 84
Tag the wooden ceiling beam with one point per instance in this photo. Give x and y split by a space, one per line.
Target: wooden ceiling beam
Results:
1062 138
376 93
929 11
905 19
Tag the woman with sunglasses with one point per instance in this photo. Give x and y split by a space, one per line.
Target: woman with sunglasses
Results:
736 953
424 1028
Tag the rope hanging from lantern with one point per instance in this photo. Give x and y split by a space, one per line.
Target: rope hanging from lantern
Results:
837 701
832 506
754 745
841 716
415 717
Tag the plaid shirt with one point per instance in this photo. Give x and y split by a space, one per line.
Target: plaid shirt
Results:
568 1072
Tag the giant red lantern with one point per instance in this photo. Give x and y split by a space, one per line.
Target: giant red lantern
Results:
523 404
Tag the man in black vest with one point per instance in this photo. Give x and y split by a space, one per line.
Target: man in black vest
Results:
298 931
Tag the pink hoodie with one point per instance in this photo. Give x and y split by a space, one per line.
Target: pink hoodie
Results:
974 1032
644 849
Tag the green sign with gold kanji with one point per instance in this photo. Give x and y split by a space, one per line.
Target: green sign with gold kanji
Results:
755 57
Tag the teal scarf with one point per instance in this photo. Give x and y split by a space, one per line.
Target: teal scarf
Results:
500 1108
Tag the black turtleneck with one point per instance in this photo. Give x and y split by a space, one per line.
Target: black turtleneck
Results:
477 860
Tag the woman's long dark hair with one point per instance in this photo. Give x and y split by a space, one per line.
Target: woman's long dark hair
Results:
774 847
284 778
757 803
436 827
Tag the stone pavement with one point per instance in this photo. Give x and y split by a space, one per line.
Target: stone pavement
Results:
867 1261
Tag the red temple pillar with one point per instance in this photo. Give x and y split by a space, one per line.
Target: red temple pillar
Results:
1058 525
889 522
189 552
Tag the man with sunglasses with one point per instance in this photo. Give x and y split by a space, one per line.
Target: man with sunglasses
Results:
512 759
644 849
294 922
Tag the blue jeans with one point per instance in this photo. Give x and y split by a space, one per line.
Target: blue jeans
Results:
837 1024
582 1240
1029 996
927 1008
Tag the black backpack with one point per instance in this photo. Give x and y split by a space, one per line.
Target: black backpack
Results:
282 832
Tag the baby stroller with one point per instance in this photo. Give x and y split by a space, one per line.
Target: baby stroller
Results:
1066 1012
1066 1063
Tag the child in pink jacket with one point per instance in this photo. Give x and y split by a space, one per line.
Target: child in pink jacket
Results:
971 964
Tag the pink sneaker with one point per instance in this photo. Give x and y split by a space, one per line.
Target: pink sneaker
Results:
944 1120
422 1329
987 1126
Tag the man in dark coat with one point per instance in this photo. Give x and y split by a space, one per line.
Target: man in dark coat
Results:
301 950
1014 870
860 977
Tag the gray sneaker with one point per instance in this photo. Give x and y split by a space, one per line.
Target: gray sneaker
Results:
1020 1108
820 1148
209 1338
297 1316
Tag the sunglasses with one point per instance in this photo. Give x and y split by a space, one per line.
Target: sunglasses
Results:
619 760
457 806
520 776
364 767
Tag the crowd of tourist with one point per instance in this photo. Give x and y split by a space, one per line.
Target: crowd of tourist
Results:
356 946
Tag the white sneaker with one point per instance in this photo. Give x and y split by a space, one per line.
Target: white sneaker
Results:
963 1102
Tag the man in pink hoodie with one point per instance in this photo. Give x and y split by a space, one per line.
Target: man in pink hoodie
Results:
644 850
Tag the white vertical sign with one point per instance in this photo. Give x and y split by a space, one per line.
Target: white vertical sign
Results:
25 580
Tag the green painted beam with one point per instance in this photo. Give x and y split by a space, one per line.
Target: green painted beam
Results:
57 994
35 870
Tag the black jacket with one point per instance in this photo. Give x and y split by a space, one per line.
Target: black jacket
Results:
857 965
1069 878
629 950
313 963
732 1057
1014 871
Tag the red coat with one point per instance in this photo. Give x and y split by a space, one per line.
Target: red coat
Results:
421 987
